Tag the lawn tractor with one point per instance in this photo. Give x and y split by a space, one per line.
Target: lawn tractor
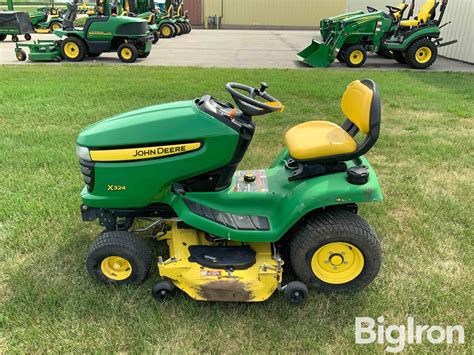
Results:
414 42
230 233
47 19
15 23
127 36
165 21
181 18
129 8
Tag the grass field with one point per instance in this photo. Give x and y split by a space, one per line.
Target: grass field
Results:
423 159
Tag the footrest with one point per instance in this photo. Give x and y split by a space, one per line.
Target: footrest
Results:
221 257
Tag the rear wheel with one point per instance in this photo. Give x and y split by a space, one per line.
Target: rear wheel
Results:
166 30
2 37
55 26
119 258
421 54
156 37
335 251
28 37
355 56
73 49
399 57
127 53
179 27
20 55
190 28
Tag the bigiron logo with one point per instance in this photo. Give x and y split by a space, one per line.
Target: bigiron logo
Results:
143 153
397 336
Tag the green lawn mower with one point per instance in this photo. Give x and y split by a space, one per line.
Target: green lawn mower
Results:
129 8
15 23
127 36
181 18
414 42
47 19
230 233
165 21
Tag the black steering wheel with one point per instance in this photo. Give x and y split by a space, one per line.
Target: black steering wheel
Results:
393 9
371 9
249 104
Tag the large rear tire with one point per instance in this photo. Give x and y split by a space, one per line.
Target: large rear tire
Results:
119 258
166 30
335 251
73 49
421 54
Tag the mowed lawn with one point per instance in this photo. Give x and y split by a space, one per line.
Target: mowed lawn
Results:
423 159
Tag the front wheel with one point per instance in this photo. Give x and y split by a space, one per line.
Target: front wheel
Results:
335 251
166 30
127 53
421 54
156 37
119 258
73 49
355 56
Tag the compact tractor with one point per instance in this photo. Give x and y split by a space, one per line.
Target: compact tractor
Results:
231 233
128 36
411 41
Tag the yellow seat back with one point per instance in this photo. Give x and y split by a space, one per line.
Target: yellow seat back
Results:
356 104
397 15
425 11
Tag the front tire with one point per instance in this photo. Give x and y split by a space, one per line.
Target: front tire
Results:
355 56
119 258
27 37
127 53
73 49
20 55
335 251
166 30
421 54
156 37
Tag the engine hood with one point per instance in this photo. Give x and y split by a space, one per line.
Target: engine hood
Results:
166 123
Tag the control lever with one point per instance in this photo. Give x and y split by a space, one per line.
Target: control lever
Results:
263 87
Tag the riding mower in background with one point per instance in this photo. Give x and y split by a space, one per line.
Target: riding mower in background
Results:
415 41
15 23
129 8
127 36
181 18
46 19
174 167
165 20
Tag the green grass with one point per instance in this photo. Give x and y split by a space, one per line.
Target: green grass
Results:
424 163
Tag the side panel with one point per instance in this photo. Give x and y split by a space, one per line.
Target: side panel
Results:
284 204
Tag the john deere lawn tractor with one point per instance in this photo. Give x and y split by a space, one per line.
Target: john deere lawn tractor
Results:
181 18
47 19
127 36
15 23
129 8
230 233
414 42
165 21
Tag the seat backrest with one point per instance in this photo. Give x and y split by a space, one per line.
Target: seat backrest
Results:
356 104
426 10
398 14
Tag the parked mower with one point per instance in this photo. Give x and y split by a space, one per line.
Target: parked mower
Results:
15 23
129 8
127 36
47 19
181 18
174 167
165 21
414 42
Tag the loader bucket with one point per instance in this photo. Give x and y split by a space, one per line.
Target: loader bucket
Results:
316 55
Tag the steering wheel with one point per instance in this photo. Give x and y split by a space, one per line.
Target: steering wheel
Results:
247 101
371 9
393 9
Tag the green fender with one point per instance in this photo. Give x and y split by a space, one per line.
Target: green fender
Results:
285 203
432 31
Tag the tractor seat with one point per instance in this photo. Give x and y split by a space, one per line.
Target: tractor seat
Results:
426 13
323 141
398 14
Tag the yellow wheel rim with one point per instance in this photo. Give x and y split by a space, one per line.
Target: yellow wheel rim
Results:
166 31
423 55
356 57
71 50
179 28
56 26
126 53
18 55
116 268
337 263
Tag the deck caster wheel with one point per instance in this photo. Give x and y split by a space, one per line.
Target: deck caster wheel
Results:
28 37
295 292
163 290
14 38
20 55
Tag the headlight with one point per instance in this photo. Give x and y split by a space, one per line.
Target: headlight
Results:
83 153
